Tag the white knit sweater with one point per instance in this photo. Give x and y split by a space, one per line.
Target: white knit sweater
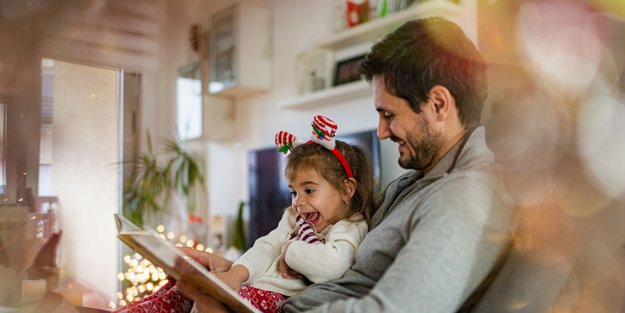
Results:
317 262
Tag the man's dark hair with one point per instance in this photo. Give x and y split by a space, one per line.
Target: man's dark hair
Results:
428 52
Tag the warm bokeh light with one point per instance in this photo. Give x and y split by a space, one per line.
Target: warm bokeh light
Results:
556 122
561 40
140 275
600 135
112 305
143 277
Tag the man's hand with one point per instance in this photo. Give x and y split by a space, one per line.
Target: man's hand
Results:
284 268
234 277
203 303
213 262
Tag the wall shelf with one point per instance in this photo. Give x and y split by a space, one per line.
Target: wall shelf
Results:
369 32
329 96
377 28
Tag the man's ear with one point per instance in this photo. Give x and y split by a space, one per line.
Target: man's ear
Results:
349 188
441 101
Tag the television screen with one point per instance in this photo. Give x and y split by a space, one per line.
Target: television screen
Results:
269 192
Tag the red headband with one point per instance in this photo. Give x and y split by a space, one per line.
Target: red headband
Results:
323 130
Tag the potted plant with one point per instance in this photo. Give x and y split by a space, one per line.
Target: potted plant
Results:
156 177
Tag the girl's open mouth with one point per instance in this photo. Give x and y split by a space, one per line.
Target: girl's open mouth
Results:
312 217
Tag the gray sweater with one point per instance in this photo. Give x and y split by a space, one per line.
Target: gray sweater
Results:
433 240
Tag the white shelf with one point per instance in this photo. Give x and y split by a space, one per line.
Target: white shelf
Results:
377 28
329 96
369 32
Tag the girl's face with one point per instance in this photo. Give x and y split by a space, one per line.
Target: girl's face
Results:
316 200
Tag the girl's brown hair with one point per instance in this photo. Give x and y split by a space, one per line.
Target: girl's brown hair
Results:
318 158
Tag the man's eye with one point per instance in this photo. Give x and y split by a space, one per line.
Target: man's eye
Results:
293 194
309 190
388 115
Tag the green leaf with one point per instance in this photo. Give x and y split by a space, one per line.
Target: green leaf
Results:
151 184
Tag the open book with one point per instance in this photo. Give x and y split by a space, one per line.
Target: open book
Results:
177 264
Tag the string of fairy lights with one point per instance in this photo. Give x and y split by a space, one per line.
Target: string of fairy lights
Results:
144 277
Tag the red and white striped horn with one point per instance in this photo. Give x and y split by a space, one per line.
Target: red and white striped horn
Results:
323 130
286 141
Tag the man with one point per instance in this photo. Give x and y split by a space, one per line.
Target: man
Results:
439 229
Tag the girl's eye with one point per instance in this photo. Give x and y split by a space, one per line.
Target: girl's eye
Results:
293 194
309 191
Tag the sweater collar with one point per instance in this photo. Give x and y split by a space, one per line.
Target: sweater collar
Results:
473 152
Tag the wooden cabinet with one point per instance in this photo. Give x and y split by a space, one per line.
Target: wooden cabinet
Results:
240 51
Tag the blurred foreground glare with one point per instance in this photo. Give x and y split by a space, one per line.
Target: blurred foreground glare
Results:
559 132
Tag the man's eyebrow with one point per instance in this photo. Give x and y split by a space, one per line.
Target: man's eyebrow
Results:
383 109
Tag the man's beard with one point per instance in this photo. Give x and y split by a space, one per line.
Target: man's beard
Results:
425 148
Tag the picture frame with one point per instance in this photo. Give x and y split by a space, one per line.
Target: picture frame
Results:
346 71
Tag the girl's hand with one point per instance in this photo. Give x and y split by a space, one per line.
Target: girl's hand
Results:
284 268
213 262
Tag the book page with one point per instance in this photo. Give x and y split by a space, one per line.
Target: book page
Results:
177 264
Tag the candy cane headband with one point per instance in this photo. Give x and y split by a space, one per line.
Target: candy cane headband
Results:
323 130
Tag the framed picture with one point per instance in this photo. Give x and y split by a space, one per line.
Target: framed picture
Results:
346 71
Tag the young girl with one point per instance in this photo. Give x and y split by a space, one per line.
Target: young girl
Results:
316 240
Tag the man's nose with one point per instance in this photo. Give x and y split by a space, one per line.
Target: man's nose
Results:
383 130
